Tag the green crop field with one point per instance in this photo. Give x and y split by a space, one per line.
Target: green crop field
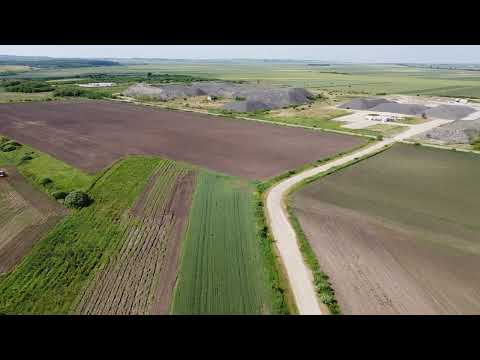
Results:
411 215
222 270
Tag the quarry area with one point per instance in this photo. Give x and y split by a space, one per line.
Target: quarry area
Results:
463 126
388 115
244 97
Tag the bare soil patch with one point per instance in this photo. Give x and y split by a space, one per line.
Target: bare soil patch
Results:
92 134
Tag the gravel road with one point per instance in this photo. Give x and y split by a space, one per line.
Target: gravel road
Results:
299 275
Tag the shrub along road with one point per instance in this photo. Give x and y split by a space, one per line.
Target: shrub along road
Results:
300 277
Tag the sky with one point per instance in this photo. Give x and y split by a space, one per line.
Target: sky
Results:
339 53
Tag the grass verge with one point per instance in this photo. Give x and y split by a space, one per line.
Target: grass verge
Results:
283 302
35 166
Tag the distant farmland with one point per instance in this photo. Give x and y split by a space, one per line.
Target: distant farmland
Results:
398 233
362 78
90 135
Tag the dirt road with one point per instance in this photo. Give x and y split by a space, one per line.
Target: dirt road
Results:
300 277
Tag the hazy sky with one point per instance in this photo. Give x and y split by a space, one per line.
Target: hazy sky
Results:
348 53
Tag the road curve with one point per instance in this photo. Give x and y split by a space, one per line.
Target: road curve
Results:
299 275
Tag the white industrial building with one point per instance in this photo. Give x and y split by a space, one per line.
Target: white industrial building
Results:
93 85
382 118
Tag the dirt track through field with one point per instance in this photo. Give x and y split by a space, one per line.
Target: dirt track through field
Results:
299 275
141 277
92 134
25 215
398 233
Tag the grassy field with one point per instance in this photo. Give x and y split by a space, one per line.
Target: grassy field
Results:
410 215
361 79
9 69
53 275
8 97
412 120
223 270
41 165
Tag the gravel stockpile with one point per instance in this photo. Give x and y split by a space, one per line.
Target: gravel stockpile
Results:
450 112
363 104
457 132
407 109
246 106
247 97
168 92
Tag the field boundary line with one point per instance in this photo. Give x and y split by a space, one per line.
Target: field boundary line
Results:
206 112
441 147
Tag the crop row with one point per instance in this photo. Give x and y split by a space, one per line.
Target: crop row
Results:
129 281
221 270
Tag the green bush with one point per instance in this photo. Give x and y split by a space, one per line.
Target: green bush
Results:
73 91
28 86
11 142
59 195
26 157
77 199
97 94
7 145
45 181
69 91
380 137
8 148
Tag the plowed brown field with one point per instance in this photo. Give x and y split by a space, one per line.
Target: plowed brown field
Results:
92 134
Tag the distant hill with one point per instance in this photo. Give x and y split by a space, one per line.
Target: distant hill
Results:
49 62
459 66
